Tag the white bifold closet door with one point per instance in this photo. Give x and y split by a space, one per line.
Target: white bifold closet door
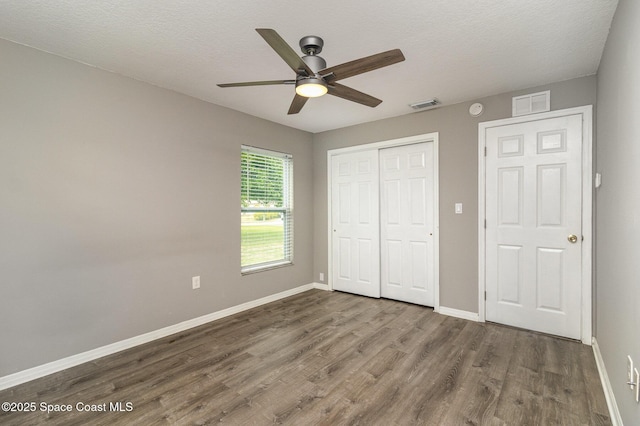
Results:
355 223
407 223
382 216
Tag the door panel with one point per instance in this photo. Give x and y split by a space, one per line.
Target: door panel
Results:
509 274
394 262
392 203
419 272
550 285
417 202
355 221
510 196
344 258
551 187
407 223
533 203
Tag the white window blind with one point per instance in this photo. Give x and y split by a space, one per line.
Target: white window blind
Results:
266 209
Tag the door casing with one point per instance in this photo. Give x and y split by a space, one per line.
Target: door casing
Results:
587 206
427 137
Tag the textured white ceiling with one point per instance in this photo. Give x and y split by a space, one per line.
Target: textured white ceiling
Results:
456 50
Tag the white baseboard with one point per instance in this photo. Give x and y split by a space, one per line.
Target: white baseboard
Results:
321 286
471 316
73 360
614 413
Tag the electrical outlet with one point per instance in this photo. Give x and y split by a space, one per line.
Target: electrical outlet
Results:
637 380
321 277
195 282
630 371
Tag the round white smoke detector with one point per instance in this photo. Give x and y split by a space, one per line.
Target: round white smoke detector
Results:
476 109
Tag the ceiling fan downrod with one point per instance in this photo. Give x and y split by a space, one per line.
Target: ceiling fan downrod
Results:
311 46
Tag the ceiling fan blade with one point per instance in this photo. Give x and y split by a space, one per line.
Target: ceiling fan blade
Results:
257 83
362 65
285 51
297 104
350 94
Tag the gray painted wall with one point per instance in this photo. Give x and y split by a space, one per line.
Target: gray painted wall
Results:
113 194
458 151
618 204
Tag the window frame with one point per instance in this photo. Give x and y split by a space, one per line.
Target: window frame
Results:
286 210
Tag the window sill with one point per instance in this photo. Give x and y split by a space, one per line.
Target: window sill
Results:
255 269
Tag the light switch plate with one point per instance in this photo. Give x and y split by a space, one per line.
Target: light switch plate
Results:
458 208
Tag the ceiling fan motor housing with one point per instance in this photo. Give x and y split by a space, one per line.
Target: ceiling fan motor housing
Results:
316 63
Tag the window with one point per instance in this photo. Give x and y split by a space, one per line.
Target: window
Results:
266 209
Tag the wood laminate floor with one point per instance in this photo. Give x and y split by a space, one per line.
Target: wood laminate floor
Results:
330 358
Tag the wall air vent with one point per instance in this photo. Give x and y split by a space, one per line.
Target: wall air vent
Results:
531 104
429 103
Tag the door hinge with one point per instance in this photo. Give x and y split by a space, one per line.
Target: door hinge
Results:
485 151
485 224
485 296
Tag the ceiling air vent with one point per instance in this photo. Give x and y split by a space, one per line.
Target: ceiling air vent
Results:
429 103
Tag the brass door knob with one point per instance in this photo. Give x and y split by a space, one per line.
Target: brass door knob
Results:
572 238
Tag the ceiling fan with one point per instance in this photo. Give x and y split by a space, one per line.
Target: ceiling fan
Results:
313 78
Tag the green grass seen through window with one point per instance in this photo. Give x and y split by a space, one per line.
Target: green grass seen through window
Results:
261 243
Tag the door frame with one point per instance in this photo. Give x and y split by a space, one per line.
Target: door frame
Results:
587 208
426 137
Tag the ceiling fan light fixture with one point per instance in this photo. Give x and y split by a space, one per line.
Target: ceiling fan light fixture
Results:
311 87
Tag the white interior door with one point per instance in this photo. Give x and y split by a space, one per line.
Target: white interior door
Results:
533 210
355 222
407 223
